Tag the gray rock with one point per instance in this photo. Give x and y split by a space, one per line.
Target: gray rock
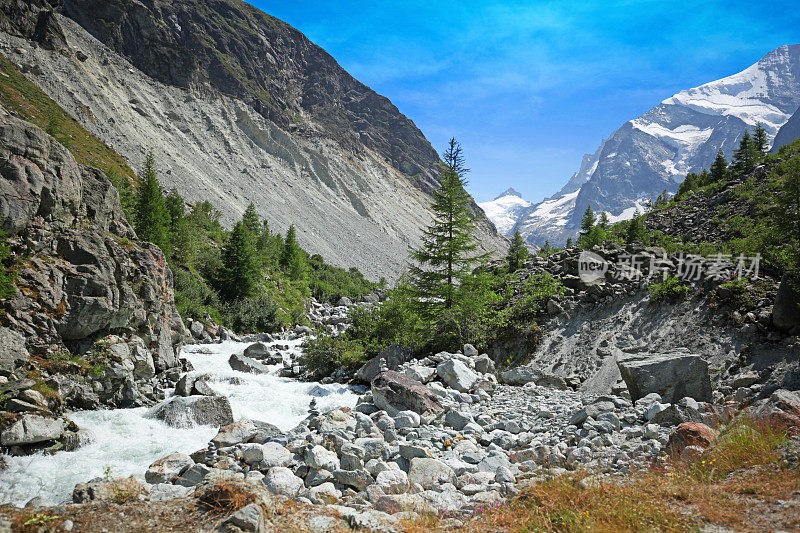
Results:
423 374
394 355
281 480
193 475
470 351
32 429
406 419
13 353
484 364
248 518
672 376
322 458
257 350
430 473
358 479
520 375
273 454
167 468
456 374
194 410
457 419
238 432
241 363
167 491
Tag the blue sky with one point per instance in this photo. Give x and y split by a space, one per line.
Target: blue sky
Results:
529 87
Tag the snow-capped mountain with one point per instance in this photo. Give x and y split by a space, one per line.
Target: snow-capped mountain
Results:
680 135
505 209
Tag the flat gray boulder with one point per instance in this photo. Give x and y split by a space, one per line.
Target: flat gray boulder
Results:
32 429
168 468
193 411
672 376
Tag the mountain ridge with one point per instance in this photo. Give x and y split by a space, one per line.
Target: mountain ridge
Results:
682 134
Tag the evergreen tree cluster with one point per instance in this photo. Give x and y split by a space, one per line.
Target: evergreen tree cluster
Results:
248 278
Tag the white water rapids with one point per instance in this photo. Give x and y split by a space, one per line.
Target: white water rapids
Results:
127 441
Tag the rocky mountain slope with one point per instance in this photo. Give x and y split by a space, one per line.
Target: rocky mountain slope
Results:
244 109
788 132
682 134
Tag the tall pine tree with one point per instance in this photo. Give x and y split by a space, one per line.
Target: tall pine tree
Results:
743 156
240 269
152 221
446 257
517 253
760 142
251 221
292 258
719 168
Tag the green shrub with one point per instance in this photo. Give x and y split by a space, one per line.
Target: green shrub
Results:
670 289
7 276
252 315
325 354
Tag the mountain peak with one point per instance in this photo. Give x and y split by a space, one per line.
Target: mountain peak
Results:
508 192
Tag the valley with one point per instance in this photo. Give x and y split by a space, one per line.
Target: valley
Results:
241 291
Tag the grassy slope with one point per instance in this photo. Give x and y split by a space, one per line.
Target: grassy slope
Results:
22 96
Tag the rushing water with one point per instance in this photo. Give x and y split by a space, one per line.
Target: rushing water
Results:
127 440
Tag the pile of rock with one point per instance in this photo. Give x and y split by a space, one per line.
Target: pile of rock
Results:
443 435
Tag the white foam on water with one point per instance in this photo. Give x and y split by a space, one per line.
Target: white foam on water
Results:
127 440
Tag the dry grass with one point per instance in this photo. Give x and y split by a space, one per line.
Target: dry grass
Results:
225 497
733 484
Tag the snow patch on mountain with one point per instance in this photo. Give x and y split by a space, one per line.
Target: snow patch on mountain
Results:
504 210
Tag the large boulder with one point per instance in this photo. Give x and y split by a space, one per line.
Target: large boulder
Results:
456 374
12 351
786 310
430 473
236 433
109 491
782 408
190 411
394 392
394 355
32 429
672 376
520 375
167 468
241 363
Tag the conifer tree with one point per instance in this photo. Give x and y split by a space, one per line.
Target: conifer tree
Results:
759 142
603 221
292 259
719 168
240 270
152 221
446 257
636 229
569 242
743 160
588 221
251 221
517 253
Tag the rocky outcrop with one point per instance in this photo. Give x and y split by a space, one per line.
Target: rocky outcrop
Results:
394 392
94 305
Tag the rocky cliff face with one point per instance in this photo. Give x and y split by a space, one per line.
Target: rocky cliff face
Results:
240 107
94 304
